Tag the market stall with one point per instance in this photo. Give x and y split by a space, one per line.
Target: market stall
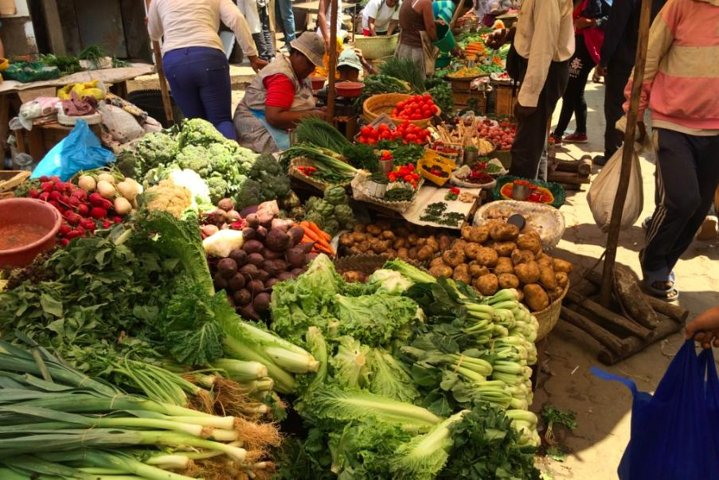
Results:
362 307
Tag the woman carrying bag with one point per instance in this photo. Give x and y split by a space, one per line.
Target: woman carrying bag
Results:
589 19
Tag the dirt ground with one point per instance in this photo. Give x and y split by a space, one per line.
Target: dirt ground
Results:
603 408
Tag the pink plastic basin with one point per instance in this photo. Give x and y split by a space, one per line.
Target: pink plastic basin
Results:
28 210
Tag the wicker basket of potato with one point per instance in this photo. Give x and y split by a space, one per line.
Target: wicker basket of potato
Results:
495 256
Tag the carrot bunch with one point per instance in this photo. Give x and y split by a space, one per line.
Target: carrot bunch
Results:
320 238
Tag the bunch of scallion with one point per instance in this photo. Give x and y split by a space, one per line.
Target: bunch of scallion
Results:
331 166
57 423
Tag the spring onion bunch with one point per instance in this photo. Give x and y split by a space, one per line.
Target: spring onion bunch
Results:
58 423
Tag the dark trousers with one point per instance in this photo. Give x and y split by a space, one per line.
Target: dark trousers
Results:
532 130
263 40
573 101
617 77
199 78
686 178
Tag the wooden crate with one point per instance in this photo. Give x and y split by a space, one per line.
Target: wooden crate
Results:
38 141
505 99
462 100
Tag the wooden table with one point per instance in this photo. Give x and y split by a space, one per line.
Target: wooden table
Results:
10 90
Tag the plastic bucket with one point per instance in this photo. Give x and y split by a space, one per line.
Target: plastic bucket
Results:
442 61
446 40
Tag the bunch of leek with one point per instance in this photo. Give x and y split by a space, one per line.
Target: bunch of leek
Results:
56 422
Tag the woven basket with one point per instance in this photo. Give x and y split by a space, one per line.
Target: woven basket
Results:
305 162
549 317
379 47
361 193
383 103
10 180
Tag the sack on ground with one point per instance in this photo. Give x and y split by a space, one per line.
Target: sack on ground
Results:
675 432
603 192
80 150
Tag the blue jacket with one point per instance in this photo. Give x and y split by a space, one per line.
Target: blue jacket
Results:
621 31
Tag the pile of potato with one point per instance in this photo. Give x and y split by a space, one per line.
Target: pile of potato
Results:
496 255
405 242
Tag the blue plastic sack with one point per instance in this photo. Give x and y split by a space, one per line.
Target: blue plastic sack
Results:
80 150
675 432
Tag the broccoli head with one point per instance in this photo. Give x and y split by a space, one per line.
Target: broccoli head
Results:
218 188
197 131
248 194
195 158
265 164
221 157
153 150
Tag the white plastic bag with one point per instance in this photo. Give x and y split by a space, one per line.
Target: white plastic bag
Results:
603 191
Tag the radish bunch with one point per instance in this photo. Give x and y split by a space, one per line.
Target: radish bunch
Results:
82 212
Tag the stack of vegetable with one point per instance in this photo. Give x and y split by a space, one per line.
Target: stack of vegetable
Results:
269 251
228 169
376 412
407 243
406 133
59 422
332 212
497 256
135 301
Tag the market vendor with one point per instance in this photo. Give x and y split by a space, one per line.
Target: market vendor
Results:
279 97
380 17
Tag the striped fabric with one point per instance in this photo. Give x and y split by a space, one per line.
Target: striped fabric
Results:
681 79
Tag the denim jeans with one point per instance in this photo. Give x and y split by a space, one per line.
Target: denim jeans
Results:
199 78
283 13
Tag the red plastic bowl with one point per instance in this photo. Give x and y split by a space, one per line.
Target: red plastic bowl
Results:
20 210
318 82
349 89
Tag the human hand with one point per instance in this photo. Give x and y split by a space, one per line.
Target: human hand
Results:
257 63
601 71
521 112
705 328
497 38
582 22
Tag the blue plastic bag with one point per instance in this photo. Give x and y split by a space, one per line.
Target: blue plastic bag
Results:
80 150
674 433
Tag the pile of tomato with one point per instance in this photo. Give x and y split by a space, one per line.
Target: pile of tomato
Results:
405 173
416 107
406 132
501 135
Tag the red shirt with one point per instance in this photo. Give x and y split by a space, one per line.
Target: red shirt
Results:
280 92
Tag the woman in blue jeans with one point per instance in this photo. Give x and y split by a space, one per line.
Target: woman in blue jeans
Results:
194 59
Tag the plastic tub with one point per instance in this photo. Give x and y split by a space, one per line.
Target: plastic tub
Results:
18 211
349 89
318 82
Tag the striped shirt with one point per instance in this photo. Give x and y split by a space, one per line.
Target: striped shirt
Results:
681 77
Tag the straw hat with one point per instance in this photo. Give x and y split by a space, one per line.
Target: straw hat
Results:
311 46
